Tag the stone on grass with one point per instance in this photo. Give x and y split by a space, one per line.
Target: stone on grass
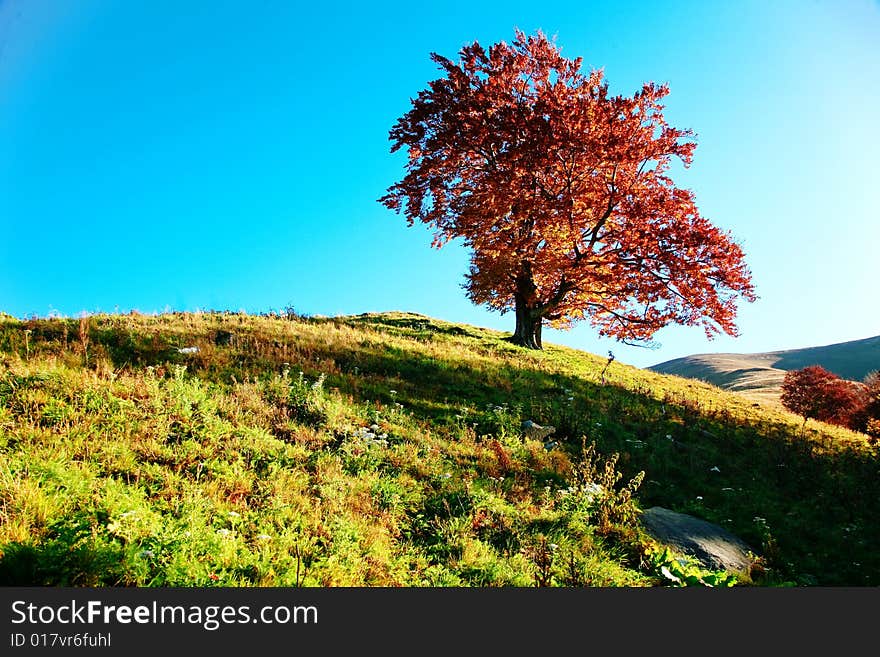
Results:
712 545
535 431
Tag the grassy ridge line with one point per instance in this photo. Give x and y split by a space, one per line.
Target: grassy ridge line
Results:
752 377
453 392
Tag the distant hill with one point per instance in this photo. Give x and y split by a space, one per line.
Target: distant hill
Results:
760 375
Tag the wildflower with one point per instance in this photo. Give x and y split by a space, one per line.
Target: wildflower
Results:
699 497
234 514
392 392
223 532
146 554
553 547
447 475
188 350
727 488
714 468
263 537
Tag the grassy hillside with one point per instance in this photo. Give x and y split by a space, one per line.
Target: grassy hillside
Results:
385 450
760 376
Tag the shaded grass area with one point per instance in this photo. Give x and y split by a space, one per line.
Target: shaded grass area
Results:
385 450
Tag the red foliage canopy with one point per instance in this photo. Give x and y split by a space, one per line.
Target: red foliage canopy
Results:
814 392
563 193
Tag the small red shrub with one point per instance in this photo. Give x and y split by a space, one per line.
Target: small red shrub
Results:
814 392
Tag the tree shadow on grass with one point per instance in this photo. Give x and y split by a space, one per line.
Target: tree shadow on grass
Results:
812 509
69 556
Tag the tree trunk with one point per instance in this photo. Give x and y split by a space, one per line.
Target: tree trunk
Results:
528 326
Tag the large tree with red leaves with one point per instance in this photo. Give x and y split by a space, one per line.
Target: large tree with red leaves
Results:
563 193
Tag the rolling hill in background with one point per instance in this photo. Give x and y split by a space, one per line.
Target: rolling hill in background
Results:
760 375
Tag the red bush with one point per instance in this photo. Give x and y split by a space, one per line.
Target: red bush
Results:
814 392
872 405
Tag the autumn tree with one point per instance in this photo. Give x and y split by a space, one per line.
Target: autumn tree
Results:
872 403
814 392
563 194
872 386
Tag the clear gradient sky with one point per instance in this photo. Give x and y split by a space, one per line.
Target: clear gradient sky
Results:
228 155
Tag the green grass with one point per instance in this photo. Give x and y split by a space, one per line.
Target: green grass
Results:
384 450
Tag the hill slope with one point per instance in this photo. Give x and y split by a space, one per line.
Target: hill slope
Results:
760 375
385 450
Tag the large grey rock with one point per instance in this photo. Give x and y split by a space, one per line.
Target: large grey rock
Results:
715 547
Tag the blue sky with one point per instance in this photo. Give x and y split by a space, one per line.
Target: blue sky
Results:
221 155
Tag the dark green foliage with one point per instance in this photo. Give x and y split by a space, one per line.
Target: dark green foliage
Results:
68 556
